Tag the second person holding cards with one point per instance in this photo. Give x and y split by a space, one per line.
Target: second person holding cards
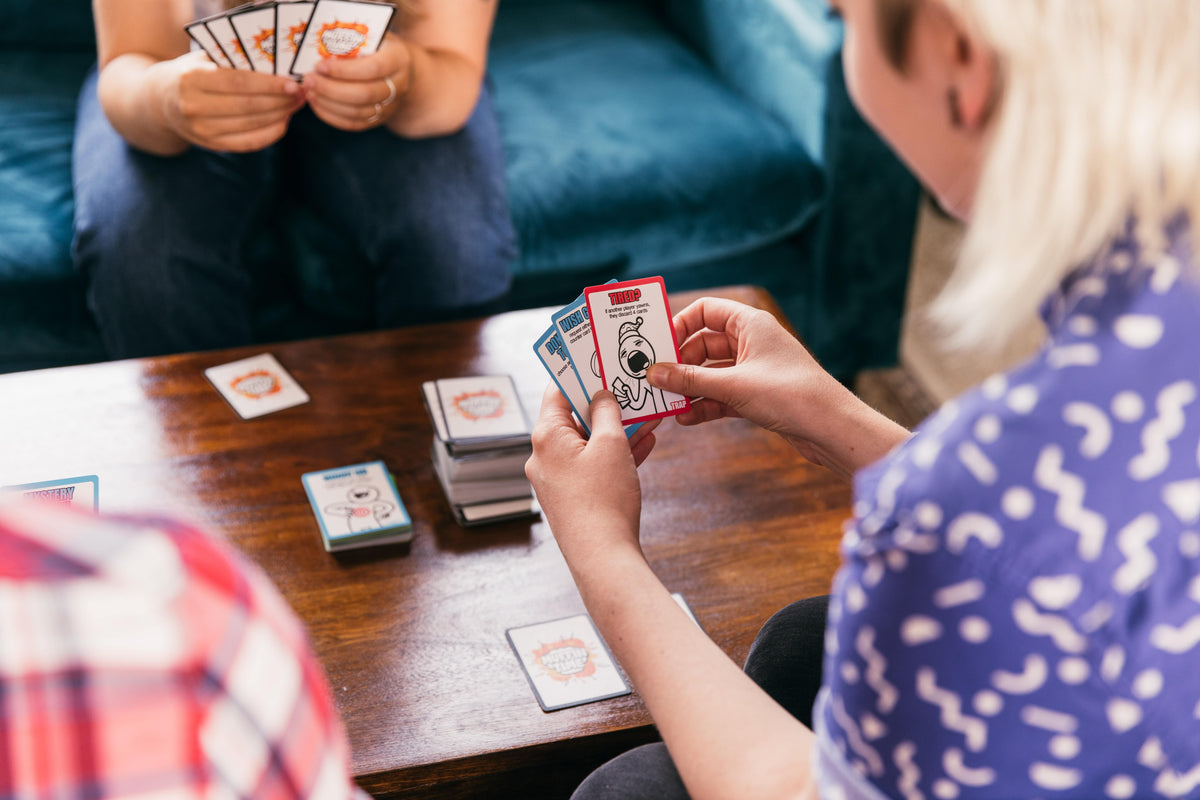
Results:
179 161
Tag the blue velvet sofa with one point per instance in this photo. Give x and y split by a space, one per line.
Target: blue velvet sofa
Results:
709 141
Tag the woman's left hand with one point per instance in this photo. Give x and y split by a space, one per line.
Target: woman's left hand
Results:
588 488
360 93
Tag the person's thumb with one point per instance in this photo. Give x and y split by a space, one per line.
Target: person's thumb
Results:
605 412
687 380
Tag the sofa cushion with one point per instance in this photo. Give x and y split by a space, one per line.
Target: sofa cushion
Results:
62 25
37 104
624 148
41 304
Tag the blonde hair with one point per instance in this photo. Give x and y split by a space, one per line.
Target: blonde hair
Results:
1097 121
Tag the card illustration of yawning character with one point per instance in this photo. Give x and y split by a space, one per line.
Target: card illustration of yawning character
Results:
632 329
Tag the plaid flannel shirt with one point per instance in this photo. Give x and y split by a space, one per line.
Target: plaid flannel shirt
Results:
139 657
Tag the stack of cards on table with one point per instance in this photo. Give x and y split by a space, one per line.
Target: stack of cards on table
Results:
480 445
290 38
357 506
607 339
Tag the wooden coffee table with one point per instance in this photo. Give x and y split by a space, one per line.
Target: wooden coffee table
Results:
412 636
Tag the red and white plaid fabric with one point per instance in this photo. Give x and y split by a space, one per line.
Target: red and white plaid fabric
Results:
142 658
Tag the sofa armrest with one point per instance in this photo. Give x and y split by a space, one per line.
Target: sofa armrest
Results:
777 53
785 56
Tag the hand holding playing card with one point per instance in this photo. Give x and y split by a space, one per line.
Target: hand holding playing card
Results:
364 92
224 109
588 488
743 363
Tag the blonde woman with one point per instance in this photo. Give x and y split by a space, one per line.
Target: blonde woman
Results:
1018 610
178 162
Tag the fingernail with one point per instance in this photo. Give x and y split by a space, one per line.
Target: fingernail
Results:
323 67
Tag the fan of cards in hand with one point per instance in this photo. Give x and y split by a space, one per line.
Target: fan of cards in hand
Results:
290 38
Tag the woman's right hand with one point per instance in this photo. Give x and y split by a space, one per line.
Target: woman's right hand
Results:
224 109
738 361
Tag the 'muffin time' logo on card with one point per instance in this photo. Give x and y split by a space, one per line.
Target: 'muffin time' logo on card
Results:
264 43
341 39
565 660
484 404
256 385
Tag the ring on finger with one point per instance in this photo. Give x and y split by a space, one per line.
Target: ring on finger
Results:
391 91
378 115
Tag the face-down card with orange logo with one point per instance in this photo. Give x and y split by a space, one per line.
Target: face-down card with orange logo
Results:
567 663
477 412
341 29
256 386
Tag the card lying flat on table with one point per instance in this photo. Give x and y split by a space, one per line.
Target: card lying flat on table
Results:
256 386
357 506
566 662
81 492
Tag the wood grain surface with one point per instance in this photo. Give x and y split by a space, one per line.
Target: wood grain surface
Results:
412 636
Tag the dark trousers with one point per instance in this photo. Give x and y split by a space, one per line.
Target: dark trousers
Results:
785 660
161 241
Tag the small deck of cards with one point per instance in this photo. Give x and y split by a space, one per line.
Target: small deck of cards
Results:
357 506
480 445
607 339
291 38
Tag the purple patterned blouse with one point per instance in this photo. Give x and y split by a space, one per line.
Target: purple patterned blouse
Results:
1018 611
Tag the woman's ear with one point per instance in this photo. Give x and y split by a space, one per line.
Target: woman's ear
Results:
972 75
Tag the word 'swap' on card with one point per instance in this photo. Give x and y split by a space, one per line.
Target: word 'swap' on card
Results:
632 330
357 505
341 29
566 662
81 492
256 386
551 350
482 407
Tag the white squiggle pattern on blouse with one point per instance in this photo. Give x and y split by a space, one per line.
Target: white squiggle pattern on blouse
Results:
876 666
1140 561
1097 429
1029 680
952 716
1056 627
1159 432
1070 511
1041 598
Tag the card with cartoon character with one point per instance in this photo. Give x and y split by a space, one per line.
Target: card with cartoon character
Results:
357 506
632 330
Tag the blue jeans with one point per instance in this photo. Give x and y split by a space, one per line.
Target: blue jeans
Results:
162 241
785 660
